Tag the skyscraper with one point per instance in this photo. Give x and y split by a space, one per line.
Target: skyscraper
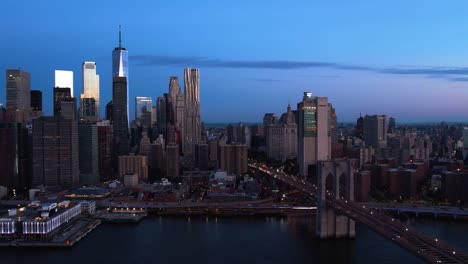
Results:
120 65
172 102
120 116
375 131
192 133
173 161
88 154
64 79
55 151
18 86
143 107
161 115
391 125
314 131
109 107
105 150
281 142
180 118
15 156
59 95
36 100
90 96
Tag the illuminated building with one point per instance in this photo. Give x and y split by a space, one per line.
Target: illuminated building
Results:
120 66
314 131
18 87
64 79
143 108
192 133
90 95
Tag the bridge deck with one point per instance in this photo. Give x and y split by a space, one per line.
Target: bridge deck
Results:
430 249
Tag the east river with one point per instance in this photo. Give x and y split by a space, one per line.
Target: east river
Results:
223 240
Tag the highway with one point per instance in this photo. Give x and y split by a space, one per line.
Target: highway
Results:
418 209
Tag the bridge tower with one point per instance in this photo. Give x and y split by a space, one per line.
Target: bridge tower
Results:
337 178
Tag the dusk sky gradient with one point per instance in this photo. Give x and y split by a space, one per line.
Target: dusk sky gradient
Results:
406 59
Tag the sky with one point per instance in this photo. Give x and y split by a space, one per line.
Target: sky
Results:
405 59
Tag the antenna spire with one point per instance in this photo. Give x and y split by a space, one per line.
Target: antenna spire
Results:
120 36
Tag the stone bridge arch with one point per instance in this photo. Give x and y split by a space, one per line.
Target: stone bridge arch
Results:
329 224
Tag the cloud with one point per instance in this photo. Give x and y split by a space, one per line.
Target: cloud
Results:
449 73
265 80
459 79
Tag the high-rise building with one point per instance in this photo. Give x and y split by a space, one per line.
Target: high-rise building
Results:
134 164
281 142
314 131
36 100
18 87
120 66
232 157
15 165
109 110
180 118
201 156
391 125
174 89
192 133
333 125
157 158
161 115
64 79
375 131
145 145
90 96
59 95
55 151
105 150
68 108
143 108
88 154
120 116
172 161
153 115
236 133
36 103
360 126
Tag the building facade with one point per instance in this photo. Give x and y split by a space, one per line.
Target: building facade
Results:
192 128
143 107
120 116
105 150
120 67
314 132
64 79
281 140
90 96
375 131
134 164
18 87
55 151
88 154
59 95
172 160
232 158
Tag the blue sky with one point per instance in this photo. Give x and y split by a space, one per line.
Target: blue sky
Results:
401 58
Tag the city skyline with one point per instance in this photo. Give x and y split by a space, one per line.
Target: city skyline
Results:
320 52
